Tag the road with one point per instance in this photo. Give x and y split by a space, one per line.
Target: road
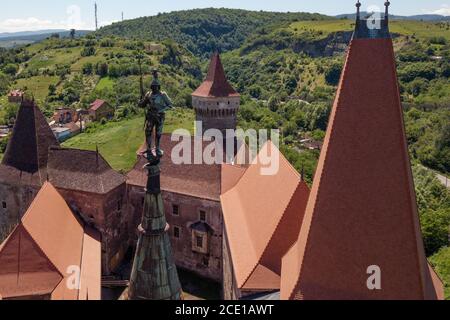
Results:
444 180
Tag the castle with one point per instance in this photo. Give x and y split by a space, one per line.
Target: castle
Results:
354 235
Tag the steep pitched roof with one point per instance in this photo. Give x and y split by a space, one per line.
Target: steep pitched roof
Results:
260 230
27 150
49 240
362 210
216 83
82 170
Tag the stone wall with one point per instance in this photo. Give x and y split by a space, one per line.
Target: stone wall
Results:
108 214
14 202
205 265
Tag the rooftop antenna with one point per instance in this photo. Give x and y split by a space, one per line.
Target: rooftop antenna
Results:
358 10
96 16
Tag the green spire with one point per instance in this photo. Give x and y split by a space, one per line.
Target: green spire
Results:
154 275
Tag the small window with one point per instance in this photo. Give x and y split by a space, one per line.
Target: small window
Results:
199 241
143 201
203 215
176 232
119 205
176 210
206 262
4 204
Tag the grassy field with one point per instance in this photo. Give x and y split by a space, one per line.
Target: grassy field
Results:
50 58
105 83
421 29
38 86
119 141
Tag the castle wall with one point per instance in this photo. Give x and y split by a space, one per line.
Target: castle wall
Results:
108 214
14 202
207 265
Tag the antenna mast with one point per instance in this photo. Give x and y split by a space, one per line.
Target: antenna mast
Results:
96 17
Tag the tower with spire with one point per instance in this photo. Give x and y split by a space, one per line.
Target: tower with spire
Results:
361 237
215 102
367 28
154 275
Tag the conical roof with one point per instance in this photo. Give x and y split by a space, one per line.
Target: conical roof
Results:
31 138
216 83
362 211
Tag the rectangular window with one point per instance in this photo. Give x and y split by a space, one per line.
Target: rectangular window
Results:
119 205
203 215
175 210
199 242
176 232
4 204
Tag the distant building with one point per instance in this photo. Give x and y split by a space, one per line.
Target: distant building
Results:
15 96
100 109
62 133
65 115
47 248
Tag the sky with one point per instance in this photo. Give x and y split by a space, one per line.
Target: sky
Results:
30 15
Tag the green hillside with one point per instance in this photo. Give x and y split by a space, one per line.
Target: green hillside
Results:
204 30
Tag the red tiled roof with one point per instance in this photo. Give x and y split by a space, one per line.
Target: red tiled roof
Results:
216 83
31 138
260 230
97 104
362 210
16 93
49 240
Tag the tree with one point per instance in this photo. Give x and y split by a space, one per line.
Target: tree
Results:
72 33
4 83
11 69
51 90
333 74
88 68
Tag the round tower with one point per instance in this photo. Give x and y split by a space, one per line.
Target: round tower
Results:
215 102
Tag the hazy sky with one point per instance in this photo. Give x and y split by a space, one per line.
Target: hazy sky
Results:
24 15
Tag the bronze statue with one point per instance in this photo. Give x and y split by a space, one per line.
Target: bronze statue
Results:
156 103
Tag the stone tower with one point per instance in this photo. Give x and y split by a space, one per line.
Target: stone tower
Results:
215 102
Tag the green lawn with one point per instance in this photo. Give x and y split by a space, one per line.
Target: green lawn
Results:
105 83
38 86
119 141
50 58
441 263
421 29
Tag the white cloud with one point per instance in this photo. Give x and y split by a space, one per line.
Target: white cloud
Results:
444 10
73 21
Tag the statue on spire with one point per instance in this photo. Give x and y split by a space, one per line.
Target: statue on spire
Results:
155 103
